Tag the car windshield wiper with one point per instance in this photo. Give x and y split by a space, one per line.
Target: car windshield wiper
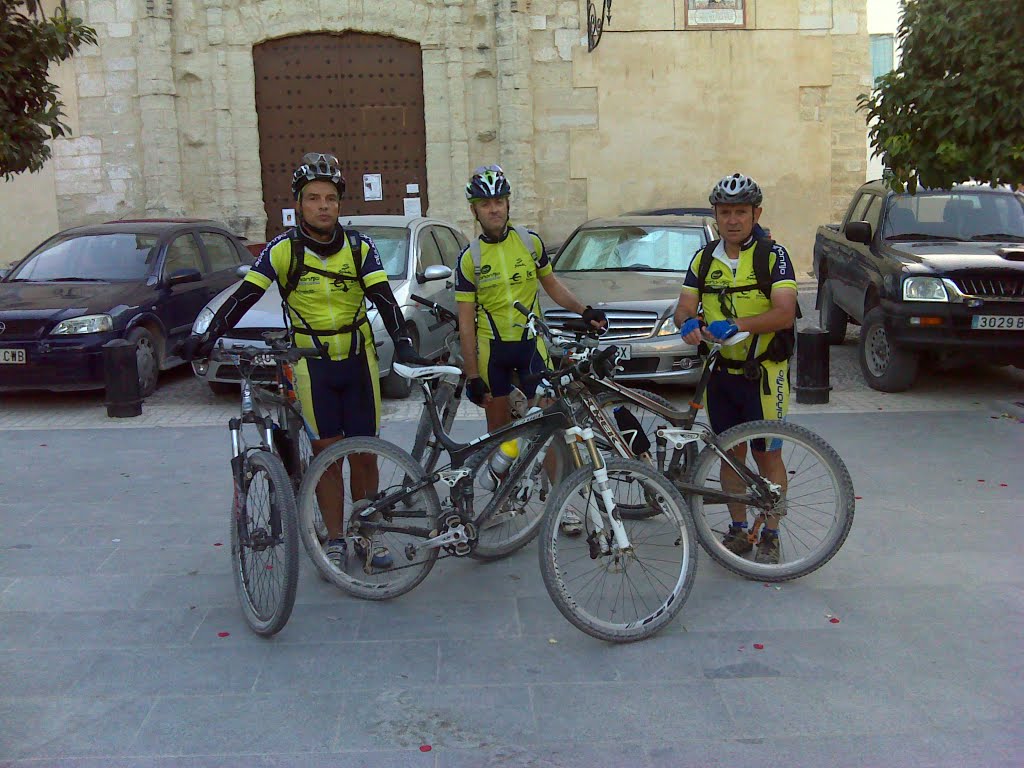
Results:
999 236
74 280
918 236
640 268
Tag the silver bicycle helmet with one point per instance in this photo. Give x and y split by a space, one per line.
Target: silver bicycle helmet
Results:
736 189
487 182
317 166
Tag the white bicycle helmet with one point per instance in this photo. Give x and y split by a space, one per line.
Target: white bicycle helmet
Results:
738 189
487 182
317 166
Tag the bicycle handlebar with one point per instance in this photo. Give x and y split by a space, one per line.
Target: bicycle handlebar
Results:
250 353
442 313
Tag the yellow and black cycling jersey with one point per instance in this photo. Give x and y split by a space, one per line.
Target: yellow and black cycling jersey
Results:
748 303
508 273
322 303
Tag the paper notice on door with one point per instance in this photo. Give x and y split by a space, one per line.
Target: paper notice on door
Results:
373 187
412 206
288 217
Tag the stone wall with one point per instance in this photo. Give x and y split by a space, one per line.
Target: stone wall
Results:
167 119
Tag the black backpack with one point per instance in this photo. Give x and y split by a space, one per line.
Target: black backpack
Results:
781 347
297 267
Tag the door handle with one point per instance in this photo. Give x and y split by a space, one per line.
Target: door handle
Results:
448 283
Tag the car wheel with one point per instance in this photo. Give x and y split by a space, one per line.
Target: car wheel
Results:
885 366
223 388
393 385
147 358
831 318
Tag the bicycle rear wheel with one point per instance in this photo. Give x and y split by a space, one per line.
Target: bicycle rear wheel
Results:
419 512
520 502
265 543
426 449
818 509
615 595
649 423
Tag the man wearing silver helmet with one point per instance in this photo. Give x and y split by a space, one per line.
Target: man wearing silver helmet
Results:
743 282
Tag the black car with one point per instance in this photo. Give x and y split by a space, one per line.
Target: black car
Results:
144 281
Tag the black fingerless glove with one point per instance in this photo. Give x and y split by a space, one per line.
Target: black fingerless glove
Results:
591 315
476 388
197 347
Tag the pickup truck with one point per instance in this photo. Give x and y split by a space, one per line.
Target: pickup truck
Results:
936 276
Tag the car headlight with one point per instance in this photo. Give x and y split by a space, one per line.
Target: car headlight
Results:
202 323
668 327
83 324
924 289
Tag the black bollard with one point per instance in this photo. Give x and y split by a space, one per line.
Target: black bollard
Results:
121 378
812 366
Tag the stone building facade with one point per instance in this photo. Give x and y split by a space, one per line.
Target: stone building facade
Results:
165 115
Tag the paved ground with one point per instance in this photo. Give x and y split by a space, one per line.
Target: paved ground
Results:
115 594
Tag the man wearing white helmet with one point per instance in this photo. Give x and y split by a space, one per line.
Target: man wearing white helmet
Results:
744 283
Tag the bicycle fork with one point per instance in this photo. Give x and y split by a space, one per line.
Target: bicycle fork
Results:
573 435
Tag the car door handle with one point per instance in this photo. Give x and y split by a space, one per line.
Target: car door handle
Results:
448 283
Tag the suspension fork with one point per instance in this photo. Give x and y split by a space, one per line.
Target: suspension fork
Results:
586 436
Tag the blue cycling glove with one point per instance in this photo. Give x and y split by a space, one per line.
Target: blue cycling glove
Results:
723 329
691 325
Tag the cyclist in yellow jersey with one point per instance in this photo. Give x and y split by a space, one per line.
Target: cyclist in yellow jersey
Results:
325 274
751 380
506 265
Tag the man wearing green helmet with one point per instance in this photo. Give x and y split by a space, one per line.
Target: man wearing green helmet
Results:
507 264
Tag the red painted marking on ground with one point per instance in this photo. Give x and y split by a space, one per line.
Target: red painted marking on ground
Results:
217 544
425 747
223 634
858 497
980 480
1003 485
759 646
834 620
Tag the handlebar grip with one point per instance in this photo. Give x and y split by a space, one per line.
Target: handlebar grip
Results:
421 300
602 364
522 309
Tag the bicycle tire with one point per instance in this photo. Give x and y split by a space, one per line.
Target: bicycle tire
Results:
487 550
426 449
559 556
361 584
800 523
264 619
607 401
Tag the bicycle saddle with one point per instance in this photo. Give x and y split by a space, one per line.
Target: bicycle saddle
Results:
425 371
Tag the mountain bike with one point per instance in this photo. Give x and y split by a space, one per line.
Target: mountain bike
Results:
623 581
264 528
813 506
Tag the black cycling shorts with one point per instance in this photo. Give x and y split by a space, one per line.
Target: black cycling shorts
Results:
733 399
500 360
340 397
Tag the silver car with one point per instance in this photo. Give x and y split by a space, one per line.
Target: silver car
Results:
633 268
419 255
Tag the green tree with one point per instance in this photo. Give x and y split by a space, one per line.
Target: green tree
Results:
954 108
30 107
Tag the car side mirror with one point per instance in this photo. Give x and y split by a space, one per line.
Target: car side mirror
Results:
242 270
434 272
180 276
859 232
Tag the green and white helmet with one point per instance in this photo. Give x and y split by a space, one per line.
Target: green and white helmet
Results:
486 182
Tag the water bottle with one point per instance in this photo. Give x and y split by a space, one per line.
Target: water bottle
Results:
631 430
499 464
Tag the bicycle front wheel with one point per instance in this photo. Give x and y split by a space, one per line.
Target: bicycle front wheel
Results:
265 543
426 448
610 593
815 517
379 564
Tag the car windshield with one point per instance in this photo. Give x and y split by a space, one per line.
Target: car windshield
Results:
955 215
625 248
393 245
112 257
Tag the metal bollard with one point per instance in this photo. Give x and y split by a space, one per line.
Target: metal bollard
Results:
812 366
121 379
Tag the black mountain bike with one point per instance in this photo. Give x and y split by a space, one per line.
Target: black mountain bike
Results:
622 581
264 528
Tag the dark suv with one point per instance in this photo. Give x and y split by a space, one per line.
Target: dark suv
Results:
143 280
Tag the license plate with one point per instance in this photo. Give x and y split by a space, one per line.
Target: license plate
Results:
12 356
625 351
264 360
998 322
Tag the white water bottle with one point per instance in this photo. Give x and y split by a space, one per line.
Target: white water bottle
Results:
499 464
